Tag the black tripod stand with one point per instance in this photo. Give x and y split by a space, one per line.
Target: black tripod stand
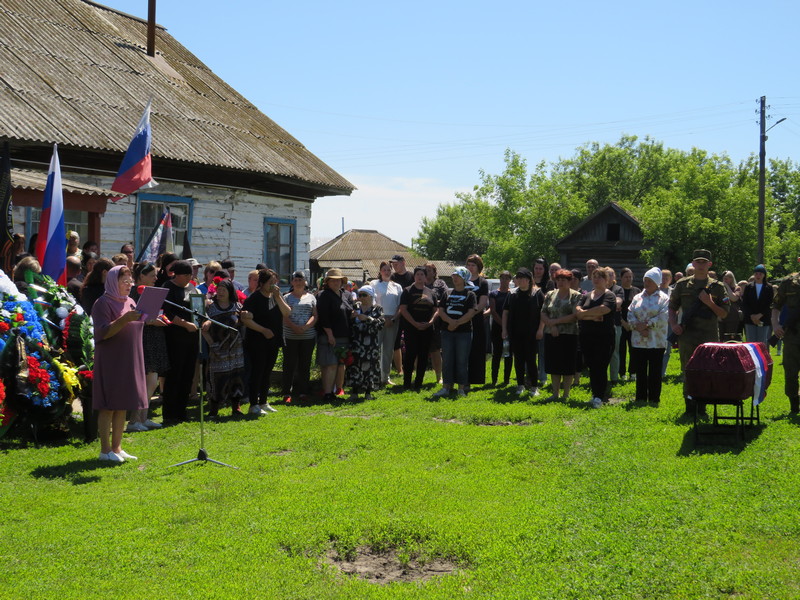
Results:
202 455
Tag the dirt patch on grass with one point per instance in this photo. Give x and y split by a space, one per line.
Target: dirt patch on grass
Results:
386 567
283 452
451 421
502 423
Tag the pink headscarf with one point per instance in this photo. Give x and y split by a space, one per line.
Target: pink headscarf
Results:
112 284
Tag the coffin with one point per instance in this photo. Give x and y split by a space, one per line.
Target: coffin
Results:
729 372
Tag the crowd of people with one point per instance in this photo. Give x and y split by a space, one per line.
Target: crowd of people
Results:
552 323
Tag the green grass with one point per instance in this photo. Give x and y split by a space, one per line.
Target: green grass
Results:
559 501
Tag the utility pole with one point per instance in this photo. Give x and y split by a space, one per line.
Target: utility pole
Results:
762 174
762 178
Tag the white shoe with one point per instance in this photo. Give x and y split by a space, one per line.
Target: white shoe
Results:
597 402
257 410
520 390
124 455
441 393
111 457
151 424
534 392
136 427
267 408
462 392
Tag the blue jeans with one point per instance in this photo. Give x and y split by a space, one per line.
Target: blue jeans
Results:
456 347
755 333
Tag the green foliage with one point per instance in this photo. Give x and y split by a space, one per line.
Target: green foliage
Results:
683 200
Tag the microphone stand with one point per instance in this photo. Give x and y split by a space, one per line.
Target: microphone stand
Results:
202 455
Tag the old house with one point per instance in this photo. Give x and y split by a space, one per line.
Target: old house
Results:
610 235
79 74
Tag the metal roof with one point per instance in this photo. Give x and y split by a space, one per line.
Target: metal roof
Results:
77 73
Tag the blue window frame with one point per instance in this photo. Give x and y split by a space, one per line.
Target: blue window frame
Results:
280 247
150 207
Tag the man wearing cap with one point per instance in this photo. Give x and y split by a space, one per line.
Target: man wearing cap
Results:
401 275
756 306
785 315
230 267
703 301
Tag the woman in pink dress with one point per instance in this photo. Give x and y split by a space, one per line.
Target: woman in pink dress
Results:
119 382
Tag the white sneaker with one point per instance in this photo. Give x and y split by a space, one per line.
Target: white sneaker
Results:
267 408
151 424
136 427
534 391
520 390
257 410
124 455
597 402
441 393
111 457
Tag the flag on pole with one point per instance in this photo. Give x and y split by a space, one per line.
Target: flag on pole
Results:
51 245
135 172
186 252
7 230
160 240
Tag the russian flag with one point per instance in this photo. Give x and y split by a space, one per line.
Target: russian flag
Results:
51 245
135 172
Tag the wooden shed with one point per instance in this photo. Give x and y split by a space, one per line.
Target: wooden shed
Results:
611 236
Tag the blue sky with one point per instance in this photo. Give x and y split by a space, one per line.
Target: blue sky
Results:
410 101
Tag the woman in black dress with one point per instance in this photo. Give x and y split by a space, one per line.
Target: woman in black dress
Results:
418 309
521 320
364 374
263 314
595 314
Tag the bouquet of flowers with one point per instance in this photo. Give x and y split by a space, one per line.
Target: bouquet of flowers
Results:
344 355
53 303
78 338
36 388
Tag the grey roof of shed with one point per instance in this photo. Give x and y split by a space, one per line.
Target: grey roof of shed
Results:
358 250
77 73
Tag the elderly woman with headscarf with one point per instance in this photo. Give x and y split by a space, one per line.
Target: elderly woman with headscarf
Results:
364 373
756 303
648 317
119 382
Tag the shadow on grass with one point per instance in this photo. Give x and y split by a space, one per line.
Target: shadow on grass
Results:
75 472
718 439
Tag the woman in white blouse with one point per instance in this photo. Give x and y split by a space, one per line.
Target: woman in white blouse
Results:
387 296
648 320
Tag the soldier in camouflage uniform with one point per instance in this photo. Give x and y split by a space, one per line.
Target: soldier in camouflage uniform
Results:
704 302
785 312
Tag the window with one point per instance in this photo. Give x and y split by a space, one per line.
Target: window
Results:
279 247
612 232
74 220
148 214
